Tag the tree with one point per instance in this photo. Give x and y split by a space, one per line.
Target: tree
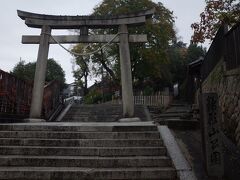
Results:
82 72
27 71
177 55
216 13
149 60
180 56
24 71
194 52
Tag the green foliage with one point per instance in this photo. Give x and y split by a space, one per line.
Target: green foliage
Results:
194 52
180 56
178 64
24 71
148 91
27 71
55 72
93 97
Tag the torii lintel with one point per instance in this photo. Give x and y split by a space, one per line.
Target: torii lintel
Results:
75 22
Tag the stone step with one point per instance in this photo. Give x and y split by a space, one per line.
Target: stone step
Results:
179 123
79 115
179 105
99 113
178 111
79 135
85 161
82 127
94 110
42 151
73 173
90 119
100 110
102 106
81 142
173 115
83 151
97 117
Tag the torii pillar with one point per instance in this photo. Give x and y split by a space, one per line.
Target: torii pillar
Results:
40 74
126 73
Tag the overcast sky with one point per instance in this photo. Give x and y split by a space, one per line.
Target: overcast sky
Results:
12 27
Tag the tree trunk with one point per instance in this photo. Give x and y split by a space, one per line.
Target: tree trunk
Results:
110 72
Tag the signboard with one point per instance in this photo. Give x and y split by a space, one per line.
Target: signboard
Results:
213 150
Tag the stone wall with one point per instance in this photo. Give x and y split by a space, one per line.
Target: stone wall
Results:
227 85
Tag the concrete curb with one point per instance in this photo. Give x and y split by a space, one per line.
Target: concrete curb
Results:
183 168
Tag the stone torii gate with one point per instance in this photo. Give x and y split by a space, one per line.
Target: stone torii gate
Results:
84 23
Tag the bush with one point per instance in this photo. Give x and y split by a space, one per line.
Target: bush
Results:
148 91
93 97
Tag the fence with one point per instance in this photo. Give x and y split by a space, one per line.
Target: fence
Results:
232 47
214 54
15 96
160 99
225 44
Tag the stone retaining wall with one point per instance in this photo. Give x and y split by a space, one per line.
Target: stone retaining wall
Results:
227 85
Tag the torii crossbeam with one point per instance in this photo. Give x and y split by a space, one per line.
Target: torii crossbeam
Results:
84 23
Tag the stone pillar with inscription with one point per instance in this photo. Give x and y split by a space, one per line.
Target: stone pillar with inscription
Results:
212 141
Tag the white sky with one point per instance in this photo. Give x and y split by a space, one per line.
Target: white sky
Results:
12 27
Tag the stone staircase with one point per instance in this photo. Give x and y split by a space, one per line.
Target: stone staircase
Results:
177 115
44 151
100 113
